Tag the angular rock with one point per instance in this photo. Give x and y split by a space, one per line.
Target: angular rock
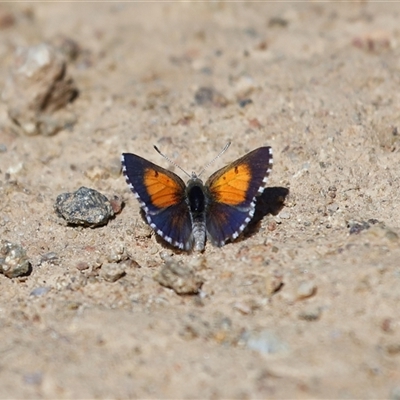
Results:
85 207
13 260
182 279
111 272
36 87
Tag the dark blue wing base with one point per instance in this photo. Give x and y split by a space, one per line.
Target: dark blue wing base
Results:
225 222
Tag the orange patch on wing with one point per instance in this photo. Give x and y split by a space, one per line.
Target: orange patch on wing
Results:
231 187
162 189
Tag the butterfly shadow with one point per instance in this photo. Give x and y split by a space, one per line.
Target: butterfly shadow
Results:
271 201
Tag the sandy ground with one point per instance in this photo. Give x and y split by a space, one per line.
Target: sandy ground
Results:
307 306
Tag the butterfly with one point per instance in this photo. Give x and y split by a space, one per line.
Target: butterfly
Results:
185 215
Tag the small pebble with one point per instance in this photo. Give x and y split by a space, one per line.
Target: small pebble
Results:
166 255
7 18
311 314
305 289
33 378
278 22
332 208
82 266
374 41
142 230
40 291
255 123
68 47
72 305
50 257
129 264
274 249
13 260
393 349
111 272
243 307
116 204
284 215
243 103
117 254
391 235
153 250
208 96
357 226
194 327
181 279
273 283
265 342
244 86
222 331
85 207
387 325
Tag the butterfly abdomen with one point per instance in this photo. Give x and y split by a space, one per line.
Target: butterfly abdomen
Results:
197 201
199 235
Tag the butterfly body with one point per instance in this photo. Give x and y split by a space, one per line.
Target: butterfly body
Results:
197 199
186 215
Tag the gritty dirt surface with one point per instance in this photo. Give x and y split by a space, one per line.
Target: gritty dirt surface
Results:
307 305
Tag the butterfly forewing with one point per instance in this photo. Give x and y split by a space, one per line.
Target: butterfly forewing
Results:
161 194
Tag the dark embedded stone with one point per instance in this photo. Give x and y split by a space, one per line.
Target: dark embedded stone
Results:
356 227
85 207
13 260
243 103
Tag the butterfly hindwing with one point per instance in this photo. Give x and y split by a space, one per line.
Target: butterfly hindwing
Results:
174 225
225 222
232 192
161 194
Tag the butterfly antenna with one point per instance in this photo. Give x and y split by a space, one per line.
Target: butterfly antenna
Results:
218 156
171 162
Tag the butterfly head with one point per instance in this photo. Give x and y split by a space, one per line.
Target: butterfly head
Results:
194 177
